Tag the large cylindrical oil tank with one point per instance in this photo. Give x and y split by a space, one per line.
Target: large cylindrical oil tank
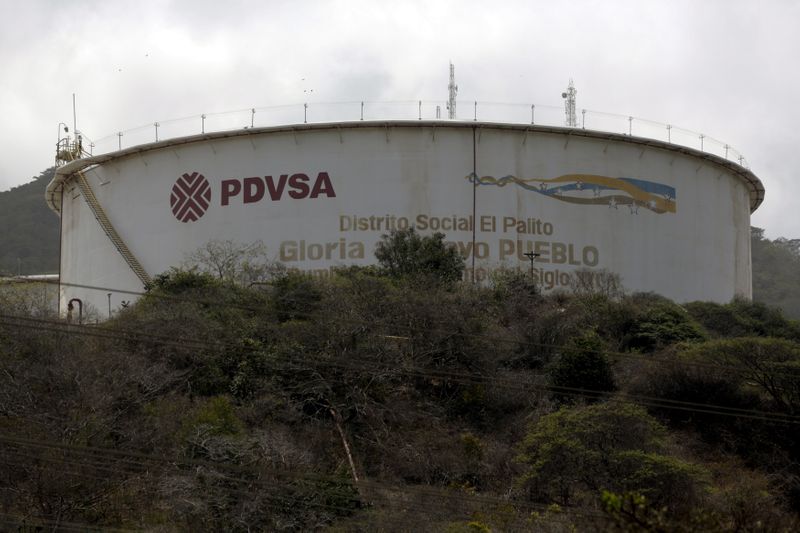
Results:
665 218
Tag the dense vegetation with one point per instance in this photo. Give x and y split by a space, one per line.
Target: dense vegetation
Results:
395 398
776 271
29 240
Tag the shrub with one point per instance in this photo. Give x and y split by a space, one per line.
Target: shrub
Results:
727 384
574 453
178 281
582 365
294 296
660 325
743 318
217 416
405 254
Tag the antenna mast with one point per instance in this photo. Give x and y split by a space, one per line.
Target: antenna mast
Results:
569 105
452 89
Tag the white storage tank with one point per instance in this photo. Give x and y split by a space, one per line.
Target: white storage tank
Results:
664 217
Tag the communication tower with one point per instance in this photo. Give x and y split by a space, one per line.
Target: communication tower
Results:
569 105
452 89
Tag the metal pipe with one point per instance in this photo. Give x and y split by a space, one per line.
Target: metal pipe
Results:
474 198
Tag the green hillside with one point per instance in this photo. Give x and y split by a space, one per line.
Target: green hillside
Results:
29 240
776 272
395 398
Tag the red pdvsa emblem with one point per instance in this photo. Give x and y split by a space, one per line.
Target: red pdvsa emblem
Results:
191 196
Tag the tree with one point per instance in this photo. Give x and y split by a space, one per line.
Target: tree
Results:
732 376
294 295
574 453
30 245
743 318
405 254
660 323
769 365
586 281
583 365
776 269
232 261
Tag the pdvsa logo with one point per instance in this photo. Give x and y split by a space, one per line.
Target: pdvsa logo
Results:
190 198
191 194
298 186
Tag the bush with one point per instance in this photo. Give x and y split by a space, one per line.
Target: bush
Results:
574 453
294 295
770 365
660 325
178 281
404 254
742 318
746 377
217 416
582 365
514 285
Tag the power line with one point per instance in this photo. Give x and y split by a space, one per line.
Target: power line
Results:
411 329
343 494
360 364
58 525
111 454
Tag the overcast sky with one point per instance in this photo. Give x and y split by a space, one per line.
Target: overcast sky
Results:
727 68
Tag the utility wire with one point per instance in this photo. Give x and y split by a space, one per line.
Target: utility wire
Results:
359 364
426 372
145 459
411 329
129 335
57 525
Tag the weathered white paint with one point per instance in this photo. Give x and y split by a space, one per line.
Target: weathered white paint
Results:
701 251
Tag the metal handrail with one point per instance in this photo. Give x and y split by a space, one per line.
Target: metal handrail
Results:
487 112
68 152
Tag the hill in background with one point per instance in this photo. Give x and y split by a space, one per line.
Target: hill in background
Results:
776 272
30 246
29 242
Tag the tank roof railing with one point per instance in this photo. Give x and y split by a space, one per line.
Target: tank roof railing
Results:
484 112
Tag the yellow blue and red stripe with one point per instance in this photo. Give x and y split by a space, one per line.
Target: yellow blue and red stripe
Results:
589 189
